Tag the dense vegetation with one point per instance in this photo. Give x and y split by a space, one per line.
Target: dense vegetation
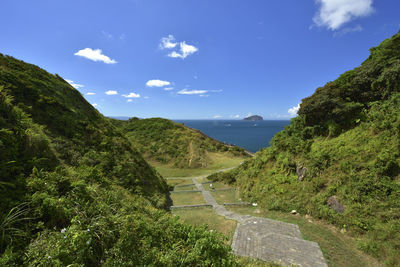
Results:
73 189
346 140
165 141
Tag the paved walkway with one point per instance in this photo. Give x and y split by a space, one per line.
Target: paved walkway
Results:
267 239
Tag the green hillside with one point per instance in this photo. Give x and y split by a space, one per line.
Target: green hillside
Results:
339 160
165 142
74 190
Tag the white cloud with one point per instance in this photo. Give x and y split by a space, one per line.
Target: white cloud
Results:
95 55
168 42
90 93
168 88
94 105
132 95
235 116
357 28
192 92
107 35
293 111
129 100
204 95
333 14
73 84
185 50
111 92
157 83
217 117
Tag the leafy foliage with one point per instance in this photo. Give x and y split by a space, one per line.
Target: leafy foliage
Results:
341 103
74 190
347 135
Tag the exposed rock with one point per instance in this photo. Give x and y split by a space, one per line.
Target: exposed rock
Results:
301 172
334 203
294 212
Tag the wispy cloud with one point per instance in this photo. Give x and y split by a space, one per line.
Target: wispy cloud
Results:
73 84
107 35
216 91
347 30
217 117
235 116
204 95
94 105
192 92
333 14
293 110
168 42
95 55
129 100
146 97
184 50
111 92
90 93
168 88
131 95
157 83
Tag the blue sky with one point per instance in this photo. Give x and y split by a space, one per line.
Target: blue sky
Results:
196 59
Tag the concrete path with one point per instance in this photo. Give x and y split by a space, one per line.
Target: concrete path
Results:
267 239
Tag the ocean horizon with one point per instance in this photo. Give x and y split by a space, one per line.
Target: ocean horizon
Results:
250 135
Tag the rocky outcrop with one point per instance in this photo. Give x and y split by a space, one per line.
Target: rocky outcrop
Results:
301 172
334 203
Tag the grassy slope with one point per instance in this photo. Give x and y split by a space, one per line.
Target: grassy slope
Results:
347 136
74 190
175 149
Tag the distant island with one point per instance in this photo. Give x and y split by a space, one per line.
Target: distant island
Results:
254 118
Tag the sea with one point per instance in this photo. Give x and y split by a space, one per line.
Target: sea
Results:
250 135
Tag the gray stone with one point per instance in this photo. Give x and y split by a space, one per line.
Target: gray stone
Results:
301 172
334 203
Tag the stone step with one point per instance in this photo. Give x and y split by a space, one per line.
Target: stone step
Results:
289 251
273 247
264 225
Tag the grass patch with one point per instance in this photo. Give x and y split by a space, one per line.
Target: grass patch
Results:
225 196
175 182
216 185
219 161
338 248
203 179
200 216
192 198
184 188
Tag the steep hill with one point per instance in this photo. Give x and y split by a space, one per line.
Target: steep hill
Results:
74 190
340 158
168 142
